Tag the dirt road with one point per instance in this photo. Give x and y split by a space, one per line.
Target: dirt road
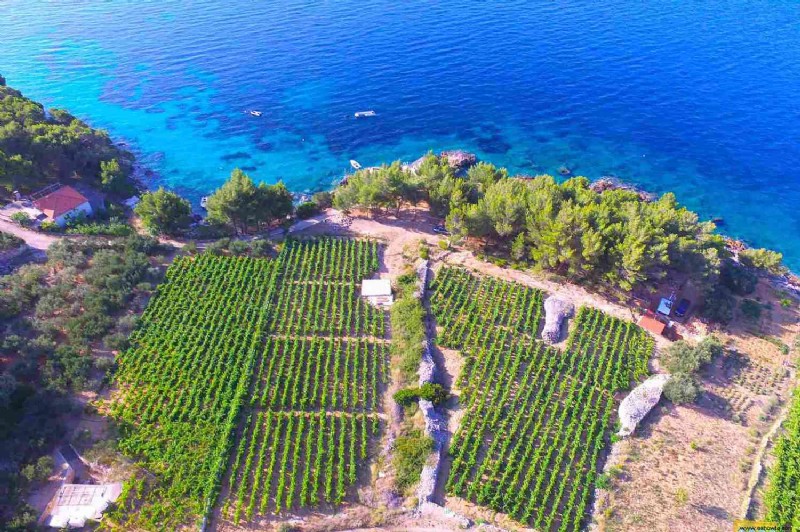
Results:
34 239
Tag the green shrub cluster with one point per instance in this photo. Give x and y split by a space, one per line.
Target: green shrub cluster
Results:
8 241
434 393
410 454
408 333
684 360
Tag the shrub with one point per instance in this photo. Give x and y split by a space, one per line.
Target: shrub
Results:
21 218
434 393
211 230
324 199
681 388
306 210
719 305
113 228
424 252
408 331
116 341
406 396
8 241
260 248
603 482
238 247
49 226
737 279
218 247
190 248
751 309
681 496
444 245
763 259
410 454
406 283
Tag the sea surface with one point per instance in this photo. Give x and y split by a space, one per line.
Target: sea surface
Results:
699 98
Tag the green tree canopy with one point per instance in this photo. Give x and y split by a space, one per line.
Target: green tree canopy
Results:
37 148
164 212
242 204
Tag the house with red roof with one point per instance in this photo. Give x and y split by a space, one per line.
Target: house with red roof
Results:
63 203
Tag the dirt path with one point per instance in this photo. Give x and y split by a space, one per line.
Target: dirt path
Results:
758 461
34 239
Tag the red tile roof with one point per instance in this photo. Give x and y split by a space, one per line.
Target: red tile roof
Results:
60 202
651 324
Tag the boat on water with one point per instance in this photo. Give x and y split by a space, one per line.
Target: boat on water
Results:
364 114
204 201
255 113
355 164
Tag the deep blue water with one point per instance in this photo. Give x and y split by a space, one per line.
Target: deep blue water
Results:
701 98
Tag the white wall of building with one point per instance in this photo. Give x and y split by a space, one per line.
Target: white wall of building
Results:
84 207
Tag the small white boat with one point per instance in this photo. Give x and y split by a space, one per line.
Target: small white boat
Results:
204 201
355 164
255 113
364 114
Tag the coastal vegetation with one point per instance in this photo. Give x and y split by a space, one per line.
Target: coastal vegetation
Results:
615 237
164 212
243 205
53 316
536 419
39 147
283 410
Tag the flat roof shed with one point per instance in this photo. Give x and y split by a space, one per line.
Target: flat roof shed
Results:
377 291
376 288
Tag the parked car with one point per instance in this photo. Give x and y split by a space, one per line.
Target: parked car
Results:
682 308
440 230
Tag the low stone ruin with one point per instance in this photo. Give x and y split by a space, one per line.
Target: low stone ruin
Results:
555 311
422 279
427 366
639 402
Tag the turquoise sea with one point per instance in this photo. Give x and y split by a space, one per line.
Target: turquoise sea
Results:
701 98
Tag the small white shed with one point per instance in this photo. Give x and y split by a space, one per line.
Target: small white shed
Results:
377 291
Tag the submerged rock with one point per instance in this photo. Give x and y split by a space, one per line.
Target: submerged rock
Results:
638 403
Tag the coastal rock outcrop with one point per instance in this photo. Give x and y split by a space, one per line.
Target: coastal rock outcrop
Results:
638 403
459 159
555 312
612 183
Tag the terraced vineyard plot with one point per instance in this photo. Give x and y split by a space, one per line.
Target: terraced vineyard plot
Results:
331 259
185 376
319 373
468 307
329 308
783 492
315 394
288 460
606 352
226 384
537 418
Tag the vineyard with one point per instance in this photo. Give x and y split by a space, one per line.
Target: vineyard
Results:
256 379
537 418
783 494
